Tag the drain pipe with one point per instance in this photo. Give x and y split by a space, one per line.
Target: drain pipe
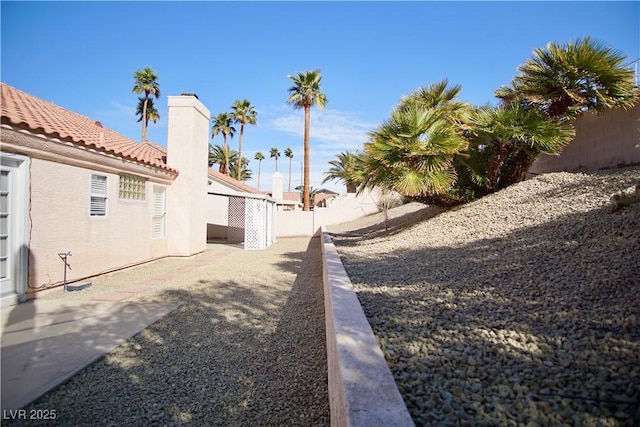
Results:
64 256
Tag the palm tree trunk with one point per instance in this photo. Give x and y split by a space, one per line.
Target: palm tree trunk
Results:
240 150
144 119
226 155
517 168
305 194
259 168
290 158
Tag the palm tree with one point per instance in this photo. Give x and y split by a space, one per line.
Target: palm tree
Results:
503 131
222 124
412 152
563 81
275 153
259 157
289 153
243 113
305 93
146 81
224 157
346 169
152 111
244 173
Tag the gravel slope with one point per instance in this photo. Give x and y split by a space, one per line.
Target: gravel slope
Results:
246 346
522 308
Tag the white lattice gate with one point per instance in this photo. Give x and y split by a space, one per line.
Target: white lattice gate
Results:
251 221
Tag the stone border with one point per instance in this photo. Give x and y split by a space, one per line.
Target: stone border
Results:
362 391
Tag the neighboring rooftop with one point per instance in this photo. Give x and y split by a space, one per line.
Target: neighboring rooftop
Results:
22 110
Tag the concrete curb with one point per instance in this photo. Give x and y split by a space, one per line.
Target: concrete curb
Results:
362 391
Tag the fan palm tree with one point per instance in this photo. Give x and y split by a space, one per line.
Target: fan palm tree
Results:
412 152
259 157
244 113
152 111
346 169
222 124
288 153
565 80
305 93
224 158
146 81
503 131
244 173
275 153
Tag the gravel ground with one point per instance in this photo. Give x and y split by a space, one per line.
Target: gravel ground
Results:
246 346
522 308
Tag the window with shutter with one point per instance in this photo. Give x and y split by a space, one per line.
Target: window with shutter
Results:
158 223
98 203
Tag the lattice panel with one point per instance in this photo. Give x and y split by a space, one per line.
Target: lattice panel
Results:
254 233
235 229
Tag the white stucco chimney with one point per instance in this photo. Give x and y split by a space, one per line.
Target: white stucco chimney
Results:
277 186
187 151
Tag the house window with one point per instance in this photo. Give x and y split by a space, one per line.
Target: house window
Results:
158 223
98 204
132 187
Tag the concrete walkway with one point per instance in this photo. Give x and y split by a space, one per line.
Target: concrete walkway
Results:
46 342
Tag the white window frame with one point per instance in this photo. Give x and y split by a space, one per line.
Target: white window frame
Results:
159 212
98 195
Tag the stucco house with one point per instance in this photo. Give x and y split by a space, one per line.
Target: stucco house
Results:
68 185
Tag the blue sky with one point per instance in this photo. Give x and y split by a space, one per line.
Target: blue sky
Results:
82 56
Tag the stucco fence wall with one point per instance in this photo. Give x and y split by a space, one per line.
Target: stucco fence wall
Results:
344 208
362 391
602 141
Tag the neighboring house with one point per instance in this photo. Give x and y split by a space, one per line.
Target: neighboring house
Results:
323 198
69 185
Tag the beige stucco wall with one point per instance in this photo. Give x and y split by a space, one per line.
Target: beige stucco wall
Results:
344 208
602 141
60 222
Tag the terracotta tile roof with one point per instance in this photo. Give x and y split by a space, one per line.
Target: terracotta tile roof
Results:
234 182
19 109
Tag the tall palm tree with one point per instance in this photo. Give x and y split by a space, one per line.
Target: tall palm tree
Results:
152 111
146 81
222 124
305 93
244 113
275 153
259 157
346 169
289 153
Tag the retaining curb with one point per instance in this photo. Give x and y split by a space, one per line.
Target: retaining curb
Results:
362 391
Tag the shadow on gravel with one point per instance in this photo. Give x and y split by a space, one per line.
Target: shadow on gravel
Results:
395 225
545 320
232 354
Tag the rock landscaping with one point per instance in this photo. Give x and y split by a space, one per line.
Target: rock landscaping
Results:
521 308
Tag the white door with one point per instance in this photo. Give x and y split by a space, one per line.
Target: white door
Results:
12 226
